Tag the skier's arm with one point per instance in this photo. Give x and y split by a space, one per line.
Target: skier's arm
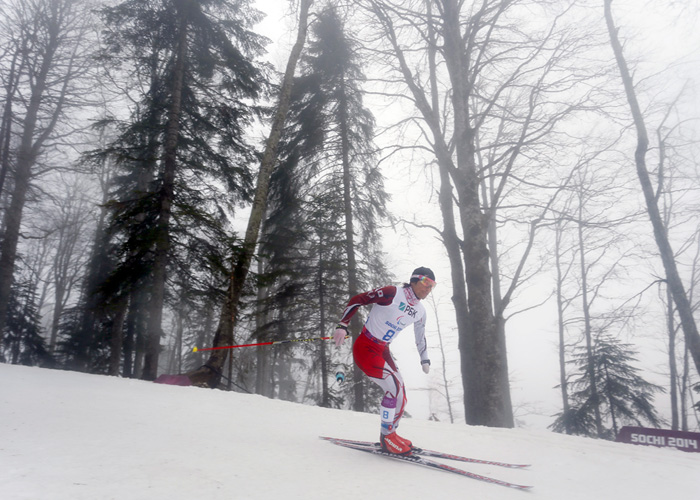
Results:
422 343
382 296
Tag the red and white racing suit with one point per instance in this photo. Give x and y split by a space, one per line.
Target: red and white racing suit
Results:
393 310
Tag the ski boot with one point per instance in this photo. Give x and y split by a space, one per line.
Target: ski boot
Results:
393 443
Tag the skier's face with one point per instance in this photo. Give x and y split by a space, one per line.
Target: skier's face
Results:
423 287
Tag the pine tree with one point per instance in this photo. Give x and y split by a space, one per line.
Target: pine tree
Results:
325 187
23 342
622 397
182 142
304 253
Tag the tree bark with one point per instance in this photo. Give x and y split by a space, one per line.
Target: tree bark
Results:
353 282
489 377
162 246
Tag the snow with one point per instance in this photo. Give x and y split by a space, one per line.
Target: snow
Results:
72 436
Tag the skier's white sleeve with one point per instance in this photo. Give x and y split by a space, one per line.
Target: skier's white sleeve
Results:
421 343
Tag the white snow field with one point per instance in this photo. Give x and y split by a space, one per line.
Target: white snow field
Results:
72 436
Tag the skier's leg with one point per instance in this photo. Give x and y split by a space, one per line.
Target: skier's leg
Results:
371 356
390 408
398 383
375 360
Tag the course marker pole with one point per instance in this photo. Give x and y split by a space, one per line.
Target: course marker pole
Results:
196 349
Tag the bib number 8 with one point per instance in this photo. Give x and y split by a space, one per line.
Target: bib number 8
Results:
388 335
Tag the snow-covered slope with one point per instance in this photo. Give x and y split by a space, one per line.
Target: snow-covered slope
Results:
71 436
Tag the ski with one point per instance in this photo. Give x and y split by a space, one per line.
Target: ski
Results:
420 460
433 454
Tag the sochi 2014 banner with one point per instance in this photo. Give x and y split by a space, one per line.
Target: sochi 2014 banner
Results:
686 441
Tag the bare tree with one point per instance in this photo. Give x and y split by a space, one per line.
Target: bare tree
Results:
563 268
483 91
69 219
445 381
593 256
55 60
675 284
676 197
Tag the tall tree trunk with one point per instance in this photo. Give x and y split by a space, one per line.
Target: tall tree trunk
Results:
210 373
116 344
57 312
12 222
672 365
162 245
675 284
563 379
453 245
449 236
684 390
179 334
587 326
353 282
500 303
489 377
133 336
262 356
6 124
94 274
325 393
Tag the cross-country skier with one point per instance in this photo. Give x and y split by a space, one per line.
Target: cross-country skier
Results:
393 310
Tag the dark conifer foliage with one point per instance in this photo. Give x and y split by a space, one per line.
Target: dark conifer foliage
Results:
327 144
623 397
183 163
24 343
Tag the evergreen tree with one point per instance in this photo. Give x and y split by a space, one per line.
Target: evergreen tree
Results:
623 397
325 187
23 342
190 67
304 254
82 329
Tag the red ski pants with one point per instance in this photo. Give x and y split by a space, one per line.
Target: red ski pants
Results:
374 358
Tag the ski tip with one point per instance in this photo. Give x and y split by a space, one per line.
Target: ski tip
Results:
194 350
327 438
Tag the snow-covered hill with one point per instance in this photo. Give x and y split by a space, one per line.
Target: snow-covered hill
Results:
71 436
